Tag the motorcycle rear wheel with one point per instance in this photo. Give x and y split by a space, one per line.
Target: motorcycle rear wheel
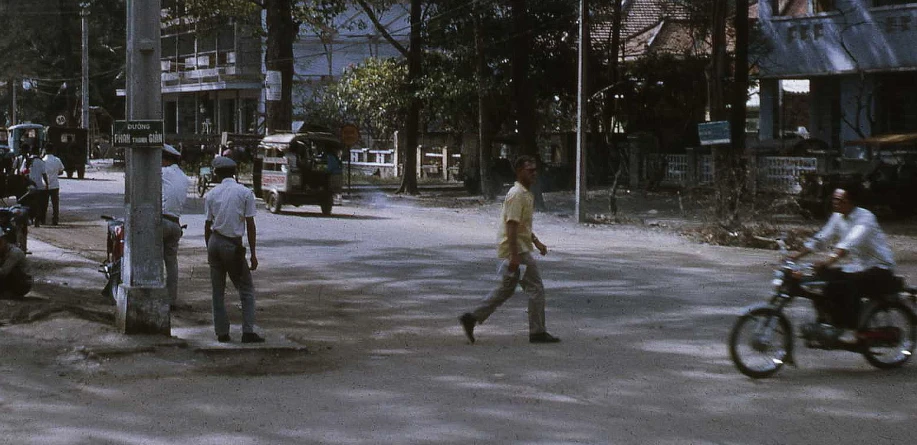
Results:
896 323
760 342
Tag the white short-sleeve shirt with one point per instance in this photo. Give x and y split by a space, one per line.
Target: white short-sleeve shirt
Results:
227 206
174 190
54 167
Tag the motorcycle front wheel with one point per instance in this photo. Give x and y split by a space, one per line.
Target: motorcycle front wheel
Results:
760 342
889 335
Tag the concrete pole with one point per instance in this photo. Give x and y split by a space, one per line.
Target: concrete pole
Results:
581 117
84 19
15 105
143 305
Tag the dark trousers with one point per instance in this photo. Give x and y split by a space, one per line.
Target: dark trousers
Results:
845 289
37 202
54 195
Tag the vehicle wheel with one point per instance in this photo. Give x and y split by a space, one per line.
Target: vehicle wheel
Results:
760 341
327 204
273 202
201 186
888 335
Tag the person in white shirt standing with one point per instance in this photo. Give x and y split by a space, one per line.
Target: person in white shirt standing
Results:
229 213
37 197
174 194
53 167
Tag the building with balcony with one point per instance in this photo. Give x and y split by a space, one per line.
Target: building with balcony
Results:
213 71
858 57
211 77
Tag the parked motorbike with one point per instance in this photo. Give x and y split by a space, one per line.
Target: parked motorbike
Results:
16 218
761 341
111 268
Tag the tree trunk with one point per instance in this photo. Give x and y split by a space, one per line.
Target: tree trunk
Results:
717 72
522 92
409 179
733 159
611 104
281 32
485 125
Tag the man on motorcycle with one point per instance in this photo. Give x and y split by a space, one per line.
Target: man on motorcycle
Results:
860 264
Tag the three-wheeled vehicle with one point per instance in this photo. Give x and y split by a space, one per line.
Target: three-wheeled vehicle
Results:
885 166
300 169
31 134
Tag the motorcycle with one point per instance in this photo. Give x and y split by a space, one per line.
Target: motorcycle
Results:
761 340
16 219
111 268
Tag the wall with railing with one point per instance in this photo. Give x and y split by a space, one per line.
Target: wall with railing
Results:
779 174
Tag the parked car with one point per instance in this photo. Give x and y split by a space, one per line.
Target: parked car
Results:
884 166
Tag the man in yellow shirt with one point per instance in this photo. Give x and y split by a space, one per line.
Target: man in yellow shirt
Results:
517 242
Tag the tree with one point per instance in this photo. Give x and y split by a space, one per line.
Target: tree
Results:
42 37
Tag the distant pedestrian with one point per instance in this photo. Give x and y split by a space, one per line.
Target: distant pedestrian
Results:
36 199
174 194
517 266
54 167
229 213
15 279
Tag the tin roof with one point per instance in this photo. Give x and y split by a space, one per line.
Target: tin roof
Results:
884 139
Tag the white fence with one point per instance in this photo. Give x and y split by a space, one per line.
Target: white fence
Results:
781 174
773 173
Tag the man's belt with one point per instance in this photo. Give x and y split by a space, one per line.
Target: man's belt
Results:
170 218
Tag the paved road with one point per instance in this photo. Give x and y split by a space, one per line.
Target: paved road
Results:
374 292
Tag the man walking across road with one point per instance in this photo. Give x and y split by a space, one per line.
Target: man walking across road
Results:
229 213
518 266
174 194
53 167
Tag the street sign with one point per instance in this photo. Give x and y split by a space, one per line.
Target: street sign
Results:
713 133
350 134
137 133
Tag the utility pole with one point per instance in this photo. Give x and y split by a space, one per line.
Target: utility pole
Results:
84 21
14 105
581 99
142 300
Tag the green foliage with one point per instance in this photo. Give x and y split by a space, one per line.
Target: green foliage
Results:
372 95
41 48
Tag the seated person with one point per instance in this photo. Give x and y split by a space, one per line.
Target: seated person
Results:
15 279
865 260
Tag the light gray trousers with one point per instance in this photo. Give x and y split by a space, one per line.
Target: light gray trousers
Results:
531 284
227 257
171 233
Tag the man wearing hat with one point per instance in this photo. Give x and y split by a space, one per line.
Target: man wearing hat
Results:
229 213
174 193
